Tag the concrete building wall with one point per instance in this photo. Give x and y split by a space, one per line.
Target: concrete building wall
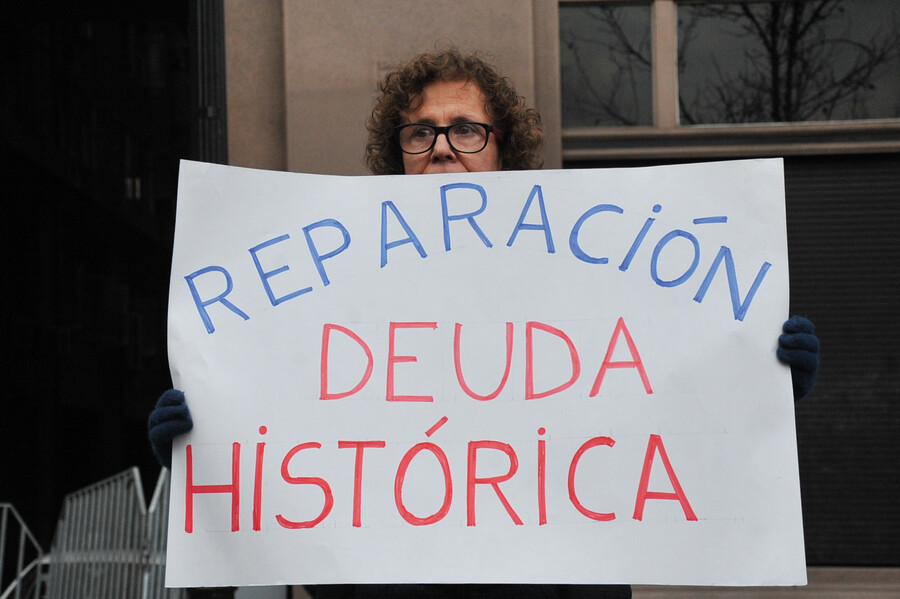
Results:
302 75
254 65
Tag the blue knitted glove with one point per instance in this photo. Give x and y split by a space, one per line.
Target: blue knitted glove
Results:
798 347
169 419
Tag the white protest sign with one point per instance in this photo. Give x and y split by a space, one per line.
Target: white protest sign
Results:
539 376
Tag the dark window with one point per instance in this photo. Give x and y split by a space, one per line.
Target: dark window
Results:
97 108
759 62
605 65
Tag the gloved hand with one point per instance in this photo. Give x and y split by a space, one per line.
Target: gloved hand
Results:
798 347
168 419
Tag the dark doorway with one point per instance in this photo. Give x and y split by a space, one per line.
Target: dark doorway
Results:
97 108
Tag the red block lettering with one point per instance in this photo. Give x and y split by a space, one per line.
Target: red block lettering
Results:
401 476
635 362
257 482
234 488
360 447
305 480
393 359
542 478
653 446
573 467
529 360
459 374
494 481
326 337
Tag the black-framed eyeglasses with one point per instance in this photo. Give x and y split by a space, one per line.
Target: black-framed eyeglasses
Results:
468 138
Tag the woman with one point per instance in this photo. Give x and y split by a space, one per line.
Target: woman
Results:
441 113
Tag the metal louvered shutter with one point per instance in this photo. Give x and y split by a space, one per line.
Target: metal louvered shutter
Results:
843 215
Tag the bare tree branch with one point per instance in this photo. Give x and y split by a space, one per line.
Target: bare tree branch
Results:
806 75
795 65
608 103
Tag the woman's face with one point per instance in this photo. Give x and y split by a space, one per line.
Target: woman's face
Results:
447 103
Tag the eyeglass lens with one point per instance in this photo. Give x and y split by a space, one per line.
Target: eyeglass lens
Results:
463 137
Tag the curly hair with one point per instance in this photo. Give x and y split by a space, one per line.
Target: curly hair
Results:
402 89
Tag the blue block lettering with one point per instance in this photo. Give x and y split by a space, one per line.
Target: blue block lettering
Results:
264 276
202 304
318 258
469 216
410 236
739 307
658 250
544 226
576 230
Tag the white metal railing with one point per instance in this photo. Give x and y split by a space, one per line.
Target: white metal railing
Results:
24 579
108 544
